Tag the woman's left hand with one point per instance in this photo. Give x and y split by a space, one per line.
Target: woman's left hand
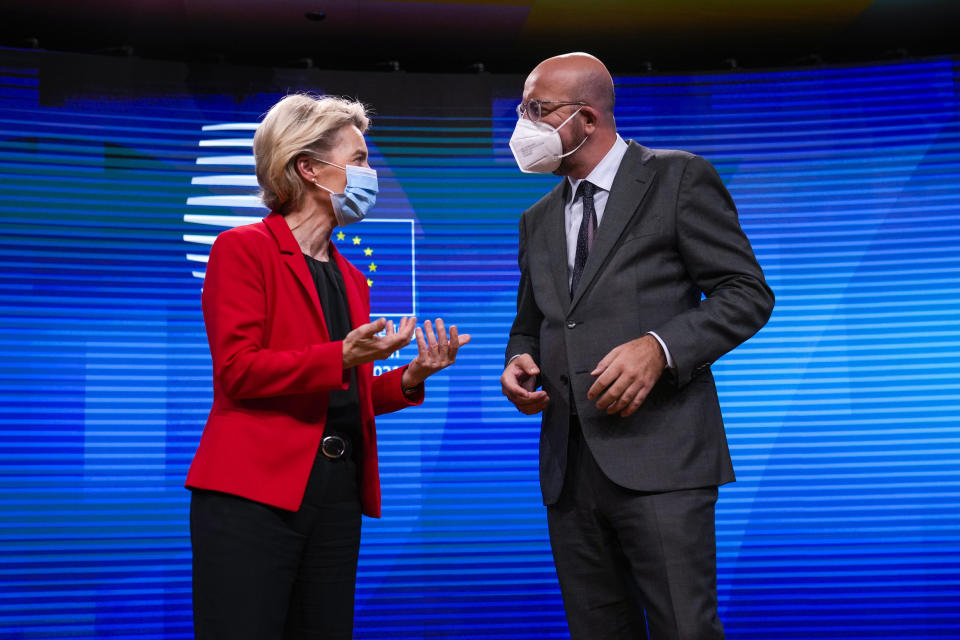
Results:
434 352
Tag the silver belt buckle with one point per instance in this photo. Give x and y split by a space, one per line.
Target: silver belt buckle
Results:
333 447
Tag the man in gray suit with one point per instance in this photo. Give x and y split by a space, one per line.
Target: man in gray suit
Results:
634 277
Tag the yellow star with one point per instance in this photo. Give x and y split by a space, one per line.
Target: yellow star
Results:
369 282
368 251
356 240
341 235
373 266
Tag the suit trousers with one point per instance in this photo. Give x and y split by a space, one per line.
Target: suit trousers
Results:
260 572
632 564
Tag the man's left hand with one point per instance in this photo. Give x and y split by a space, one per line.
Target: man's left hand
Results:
626 375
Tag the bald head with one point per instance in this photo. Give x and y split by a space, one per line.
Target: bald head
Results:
587 130
574 77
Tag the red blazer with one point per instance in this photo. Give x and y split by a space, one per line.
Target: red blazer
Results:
273 369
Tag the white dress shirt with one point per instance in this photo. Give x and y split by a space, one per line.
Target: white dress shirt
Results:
602 178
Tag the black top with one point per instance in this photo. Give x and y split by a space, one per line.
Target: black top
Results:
343 414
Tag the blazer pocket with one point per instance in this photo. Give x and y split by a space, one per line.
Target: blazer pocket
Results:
648 227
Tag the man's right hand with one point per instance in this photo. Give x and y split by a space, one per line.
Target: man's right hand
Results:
519 382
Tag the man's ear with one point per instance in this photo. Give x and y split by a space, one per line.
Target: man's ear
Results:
590 119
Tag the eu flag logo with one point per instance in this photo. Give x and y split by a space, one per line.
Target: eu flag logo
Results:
383 250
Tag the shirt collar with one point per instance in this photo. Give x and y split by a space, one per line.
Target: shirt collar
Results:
606 170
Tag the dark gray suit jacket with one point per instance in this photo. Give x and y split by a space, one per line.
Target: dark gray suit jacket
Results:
670 232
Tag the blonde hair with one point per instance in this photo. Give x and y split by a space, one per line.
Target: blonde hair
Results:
300 124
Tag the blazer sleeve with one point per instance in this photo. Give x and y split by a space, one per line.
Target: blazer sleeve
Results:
388 393
525 332
235 314
719 259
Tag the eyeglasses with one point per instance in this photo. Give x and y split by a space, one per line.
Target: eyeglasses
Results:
532 111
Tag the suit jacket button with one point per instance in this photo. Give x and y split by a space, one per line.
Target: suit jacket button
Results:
571 324
564 379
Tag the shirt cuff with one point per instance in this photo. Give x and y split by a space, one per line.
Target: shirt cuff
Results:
666 352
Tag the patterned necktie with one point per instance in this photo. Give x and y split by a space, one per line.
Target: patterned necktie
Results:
588 230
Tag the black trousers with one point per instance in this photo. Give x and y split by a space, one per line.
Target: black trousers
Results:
263 573
631 564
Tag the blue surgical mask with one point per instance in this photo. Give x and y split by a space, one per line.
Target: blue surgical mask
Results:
358 196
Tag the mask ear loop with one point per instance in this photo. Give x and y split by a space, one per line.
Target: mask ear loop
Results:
317 184
341 167
563 124
330 191
574 150
577 148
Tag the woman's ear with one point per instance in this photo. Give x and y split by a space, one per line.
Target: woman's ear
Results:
305 169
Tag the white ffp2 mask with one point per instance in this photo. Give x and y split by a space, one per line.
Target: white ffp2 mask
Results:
537 146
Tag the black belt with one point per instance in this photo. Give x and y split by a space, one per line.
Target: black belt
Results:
335 446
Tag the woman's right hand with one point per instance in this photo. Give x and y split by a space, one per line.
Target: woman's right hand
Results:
364 345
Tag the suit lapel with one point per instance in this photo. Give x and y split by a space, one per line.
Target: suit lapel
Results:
557 244
292 256
630 185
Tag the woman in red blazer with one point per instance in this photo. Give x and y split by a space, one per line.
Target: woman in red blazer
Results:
288 458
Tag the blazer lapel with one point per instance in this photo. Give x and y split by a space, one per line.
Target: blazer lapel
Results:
557 244
630 185
292 256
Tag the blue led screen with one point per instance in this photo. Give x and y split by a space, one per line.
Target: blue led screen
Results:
842 414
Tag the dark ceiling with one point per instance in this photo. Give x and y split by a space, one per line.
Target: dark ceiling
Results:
506 36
